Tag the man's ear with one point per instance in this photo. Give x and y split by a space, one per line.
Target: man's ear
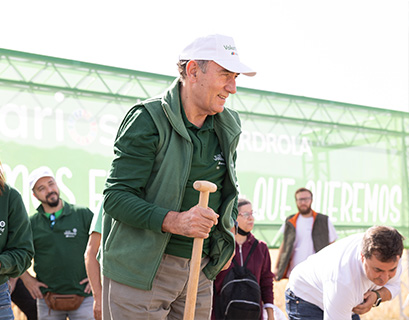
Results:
192 69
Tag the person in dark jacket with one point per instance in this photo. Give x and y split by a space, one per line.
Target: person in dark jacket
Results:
259 263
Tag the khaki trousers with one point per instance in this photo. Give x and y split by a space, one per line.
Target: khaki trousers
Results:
167 298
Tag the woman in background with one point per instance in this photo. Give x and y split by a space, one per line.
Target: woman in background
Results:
259 263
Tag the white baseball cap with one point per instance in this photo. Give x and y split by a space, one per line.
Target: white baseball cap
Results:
221 49
39 173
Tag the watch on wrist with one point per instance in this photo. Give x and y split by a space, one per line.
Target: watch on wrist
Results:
378 299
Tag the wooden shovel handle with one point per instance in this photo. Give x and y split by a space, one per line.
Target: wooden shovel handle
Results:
189 314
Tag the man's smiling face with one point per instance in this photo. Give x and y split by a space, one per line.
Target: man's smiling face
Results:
213 87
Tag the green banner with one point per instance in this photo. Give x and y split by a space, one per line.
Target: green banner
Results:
65 114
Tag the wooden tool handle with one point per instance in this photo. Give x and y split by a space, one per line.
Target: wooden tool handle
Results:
189 314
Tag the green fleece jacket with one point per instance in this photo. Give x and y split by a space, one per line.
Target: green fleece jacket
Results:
148 178
16 244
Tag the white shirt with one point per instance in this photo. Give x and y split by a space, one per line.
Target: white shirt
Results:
303 244
334 279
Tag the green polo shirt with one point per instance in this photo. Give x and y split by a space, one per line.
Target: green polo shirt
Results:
59 252
207 164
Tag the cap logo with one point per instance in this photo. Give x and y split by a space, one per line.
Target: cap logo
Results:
229 47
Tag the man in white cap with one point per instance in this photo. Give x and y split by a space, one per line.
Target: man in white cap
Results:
60 235
151 217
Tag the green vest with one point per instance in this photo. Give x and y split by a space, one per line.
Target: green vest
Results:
132 255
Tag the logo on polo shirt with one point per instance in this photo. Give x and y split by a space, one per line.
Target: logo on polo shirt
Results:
2 227
219 159
70 234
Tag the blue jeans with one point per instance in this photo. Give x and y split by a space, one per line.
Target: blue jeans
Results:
6 313
84 312
299 309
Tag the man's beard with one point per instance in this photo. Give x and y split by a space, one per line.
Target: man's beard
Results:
53 203
305 211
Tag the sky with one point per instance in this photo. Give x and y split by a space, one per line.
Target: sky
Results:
351 51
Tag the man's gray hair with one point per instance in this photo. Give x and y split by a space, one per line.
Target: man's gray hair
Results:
182 67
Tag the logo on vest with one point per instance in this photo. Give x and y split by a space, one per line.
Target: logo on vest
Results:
2 227
70 234
219 159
